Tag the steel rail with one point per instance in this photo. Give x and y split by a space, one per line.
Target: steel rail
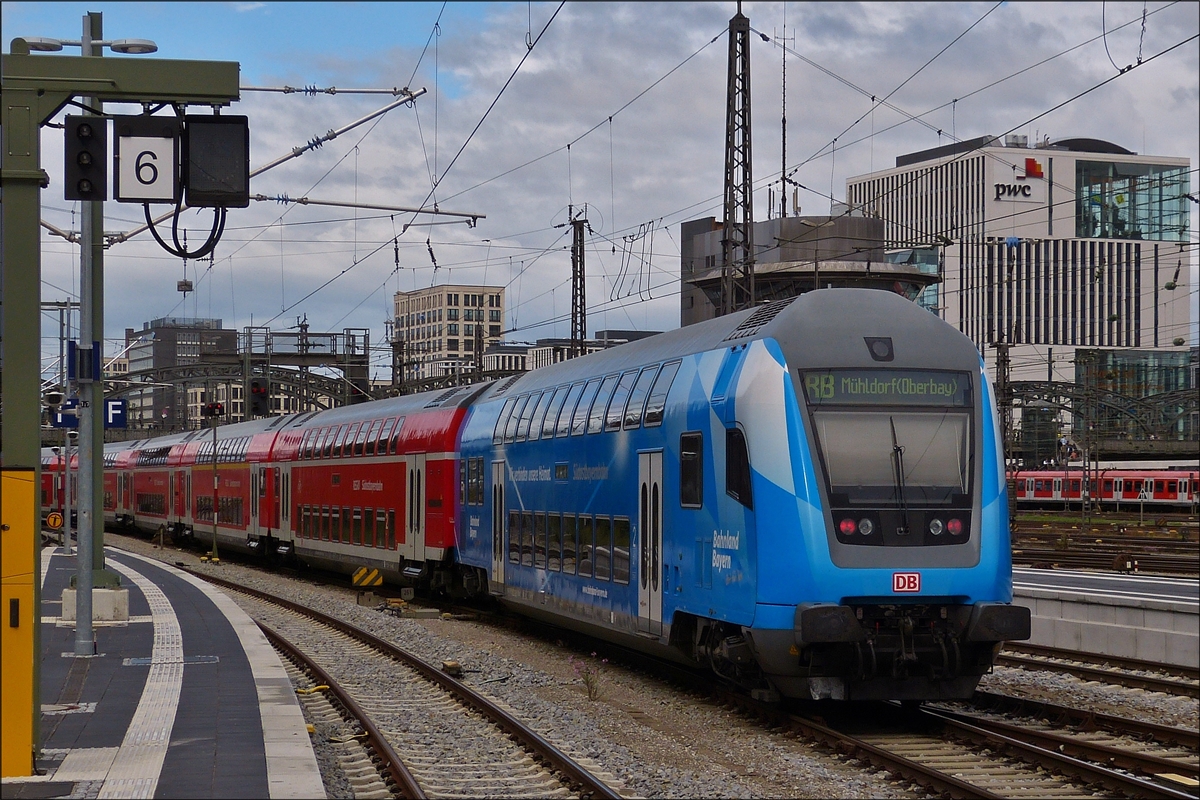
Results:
527 738
392 763
1181 565
1085 719
1147 763
1057 762
1174 670
1111 676
929 778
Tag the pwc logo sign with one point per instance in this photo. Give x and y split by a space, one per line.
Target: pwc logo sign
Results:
1026 186
906 582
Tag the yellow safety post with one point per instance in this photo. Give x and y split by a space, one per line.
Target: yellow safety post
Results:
18 533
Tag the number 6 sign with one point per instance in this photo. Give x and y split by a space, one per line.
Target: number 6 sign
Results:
146 161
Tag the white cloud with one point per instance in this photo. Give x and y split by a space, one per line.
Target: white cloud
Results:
666 149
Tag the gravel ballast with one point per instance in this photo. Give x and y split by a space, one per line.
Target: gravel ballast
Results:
656 739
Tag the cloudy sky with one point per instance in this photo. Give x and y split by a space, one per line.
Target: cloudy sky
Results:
619 107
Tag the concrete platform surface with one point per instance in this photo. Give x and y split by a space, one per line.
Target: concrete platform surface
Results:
185 699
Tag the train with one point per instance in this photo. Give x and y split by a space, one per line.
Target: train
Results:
807 497
1168 490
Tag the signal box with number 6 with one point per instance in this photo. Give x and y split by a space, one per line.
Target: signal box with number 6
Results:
146 161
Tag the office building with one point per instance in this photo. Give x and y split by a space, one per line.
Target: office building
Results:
437 327
1075 243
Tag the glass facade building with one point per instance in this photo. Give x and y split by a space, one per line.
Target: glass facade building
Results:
1122 200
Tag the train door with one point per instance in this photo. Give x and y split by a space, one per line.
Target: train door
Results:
649 536
177 484
1058 489
414 540
499 518
252 528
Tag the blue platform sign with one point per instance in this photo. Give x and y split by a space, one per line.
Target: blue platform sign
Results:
114 414
65 417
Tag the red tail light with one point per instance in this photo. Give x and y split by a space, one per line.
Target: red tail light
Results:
954 526
847 527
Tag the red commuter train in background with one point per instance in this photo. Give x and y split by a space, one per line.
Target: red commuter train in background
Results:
377 483
1167 489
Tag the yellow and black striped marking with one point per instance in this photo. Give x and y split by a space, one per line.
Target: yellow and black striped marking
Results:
363 576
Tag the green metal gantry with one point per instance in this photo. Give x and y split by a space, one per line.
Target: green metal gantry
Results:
35 88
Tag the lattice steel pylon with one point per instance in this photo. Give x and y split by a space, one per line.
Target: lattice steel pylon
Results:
737 237
578 293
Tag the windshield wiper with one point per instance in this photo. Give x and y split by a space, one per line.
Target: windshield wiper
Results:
898 468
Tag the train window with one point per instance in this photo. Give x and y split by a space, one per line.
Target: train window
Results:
539 540
369 527
360 440
510 427
330 436
1075 487
584 551
737 467
616 408
551 422
527 417
391 529
1172 487
568 409
620 550
553 542
395 445
306 444
335 515
539 415
502 420
1158 487
658 394
345 444
602 552
356 526
691 470
326 530
381 444
1108 486
475 481
600 404
372 437
380 527
527 538
579 421
637 399
568 544
514 536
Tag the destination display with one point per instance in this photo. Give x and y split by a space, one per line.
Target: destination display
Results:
886 387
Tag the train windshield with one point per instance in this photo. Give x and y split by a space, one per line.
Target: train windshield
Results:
893 437
896 456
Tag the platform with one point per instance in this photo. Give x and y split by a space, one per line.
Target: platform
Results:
186 699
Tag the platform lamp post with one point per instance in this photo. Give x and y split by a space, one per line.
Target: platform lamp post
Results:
214 411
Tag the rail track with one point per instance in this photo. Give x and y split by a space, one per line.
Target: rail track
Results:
1123 561
1132 673
455 741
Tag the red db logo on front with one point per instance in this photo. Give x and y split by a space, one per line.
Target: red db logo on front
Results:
906 581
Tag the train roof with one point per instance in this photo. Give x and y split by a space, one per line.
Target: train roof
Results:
815 329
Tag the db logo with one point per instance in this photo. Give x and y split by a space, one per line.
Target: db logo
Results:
906 581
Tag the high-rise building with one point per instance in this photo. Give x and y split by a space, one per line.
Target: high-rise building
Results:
1077 243
436 328
162 344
